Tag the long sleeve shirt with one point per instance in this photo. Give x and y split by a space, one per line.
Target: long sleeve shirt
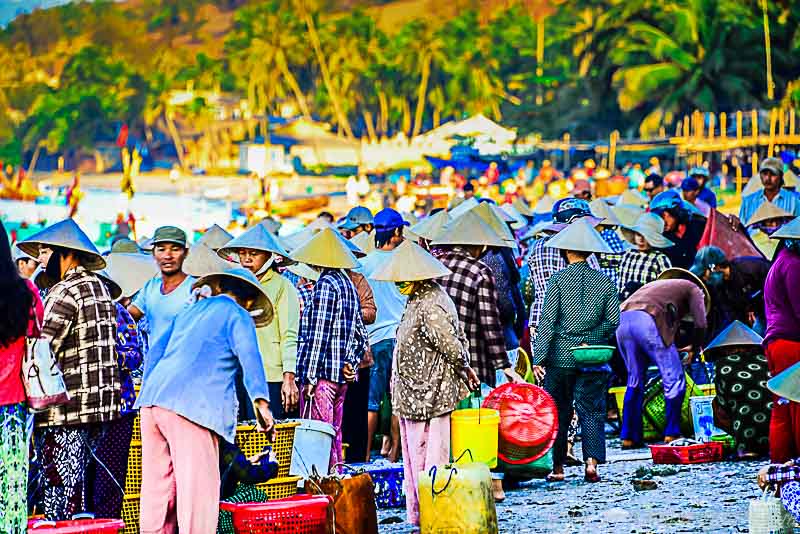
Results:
191 369
639 268
277 341
782 298
332 332
785 199
580 306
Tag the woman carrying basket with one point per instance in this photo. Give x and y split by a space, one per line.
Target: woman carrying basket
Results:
430 366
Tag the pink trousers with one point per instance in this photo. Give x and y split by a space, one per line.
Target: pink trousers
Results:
425 444
326 403
180 475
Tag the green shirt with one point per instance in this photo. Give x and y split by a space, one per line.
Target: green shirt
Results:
278 340
580 306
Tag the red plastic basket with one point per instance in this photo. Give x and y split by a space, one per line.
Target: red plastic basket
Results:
301 514
83 526
528 422
687 454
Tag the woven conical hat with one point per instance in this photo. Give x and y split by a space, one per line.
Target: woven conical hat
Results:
601 210
303 271
469 229
517 221
261 309
676 273
409 262
736 334
634 198
326 249
545 205
787 384
292 241
257 238
522 207
131 271
113 287
581 236
430 227
203 260
66 234
125 246
364 241
790 230
627 214
767 211
215 237
790 179
410 218
651 227
489 213
272 226
463 208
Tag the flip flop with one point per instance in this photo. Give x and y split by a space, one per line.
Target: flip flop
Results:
553 477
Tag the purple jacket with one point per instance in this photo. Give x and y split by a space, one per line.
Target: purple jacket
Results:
782 298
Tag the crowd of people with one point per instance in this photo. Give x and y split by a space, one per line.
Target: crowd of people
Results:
344 318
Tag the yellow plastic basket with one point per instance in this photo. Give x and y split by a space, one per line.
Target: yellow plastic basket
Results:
137 429
252 442
279 488
133 478
130 513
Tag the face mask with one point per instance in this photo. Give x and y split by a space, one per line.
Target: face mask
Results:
53 268
405 288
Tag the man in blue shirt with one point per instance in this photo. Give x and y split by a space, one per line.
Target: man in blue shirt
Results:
163 296
702 175
771 174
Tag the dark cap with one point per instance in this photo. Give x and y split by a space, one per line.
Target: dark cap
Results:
169 234
690 184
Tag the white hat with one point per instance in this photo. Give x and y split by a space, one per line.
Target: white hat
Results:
256 238
65 234
130 270
463 207
651 227
790 230
326 249
581 236
409 262
215 237
602 210
431 226
469 229
493 216
303 271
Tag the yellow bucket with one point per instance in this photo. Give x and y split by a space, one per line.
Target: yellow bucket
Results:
476 430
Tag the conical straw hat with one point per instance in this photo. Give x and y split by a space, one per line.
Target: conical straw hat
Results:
257 238
545 205
627 214
676 273
409 262
538 230
131 271
430 227
632 197
66 234
522 207
489 213
790 230
303 271
601 210
271 225
201 261
736 334
463 208
326 249
766 211
294 240
469 229
215 237
651 227
517 221
410 218
125 246
787 384
113 287
364 241
581 236
261 311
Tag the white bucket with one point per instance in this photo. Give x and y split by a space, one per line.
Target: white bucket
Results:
312 447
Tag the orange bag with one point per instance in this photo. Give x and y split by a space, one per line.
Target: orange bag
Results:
354 509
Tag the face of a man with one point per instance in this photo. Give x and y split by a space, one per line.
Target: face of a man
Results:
251 259
26 267
691 196
770 180
701 179
169 257
652 190
670 222
469 194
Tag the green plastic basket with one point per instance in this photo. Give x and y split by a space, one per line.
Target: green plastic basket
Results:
592 354
655 406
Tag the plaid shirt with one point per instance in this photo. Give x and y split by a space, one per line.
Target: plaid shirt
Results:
80 321
544 262
331 330
609 263
784 473
639 268
472 288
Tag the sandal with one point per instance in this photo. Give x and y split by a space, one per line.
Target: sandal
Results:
571 461
555 477
591 474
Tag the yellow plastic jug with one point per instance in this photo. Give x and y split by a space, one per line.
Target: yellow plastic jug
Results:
457 498
475 430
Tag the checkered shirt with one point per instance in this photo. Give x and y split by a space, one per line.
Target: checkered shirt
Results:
80 321
609 263
331 331
472 288
784 473
544 262
639 268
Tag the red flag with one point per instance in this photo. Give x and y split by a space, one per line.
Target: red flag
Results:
122 136
733 240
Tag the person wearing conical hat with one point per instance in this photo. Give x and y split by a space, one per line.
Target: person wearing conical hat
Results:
682 226
580 307
166 294
772 190
332 337
643 264
743 403
782 337
215 237
649 324
609 222
259 251
764 222
431 355
428 228
736 286
188 397
80 326
390 304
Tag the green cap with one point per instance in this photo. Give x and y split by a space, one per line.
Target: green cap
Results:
169 234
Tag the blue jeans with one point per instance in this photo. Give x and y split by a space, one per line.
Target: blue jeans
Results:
380 374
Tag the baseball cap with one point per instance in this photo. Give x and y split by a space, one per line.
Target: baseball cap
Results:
690 184
772 164
665 200
567 209
356 217
169 234
699 171
389 219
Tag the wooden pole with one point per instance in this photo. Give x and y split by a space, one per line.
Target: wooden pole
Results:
723 125
791 124
773 116
768 51
739 126
754 126
566 152
781 125
712 124
612 150
754 161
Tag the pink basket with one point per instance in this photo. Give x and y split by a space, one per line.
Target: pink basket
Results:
82 526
